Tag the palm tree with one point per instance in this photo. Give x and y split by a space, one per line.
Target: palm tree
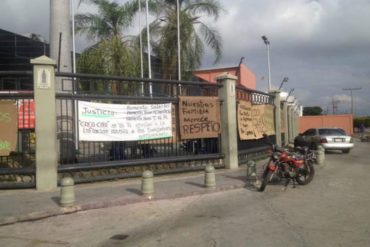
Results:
193 33
114 53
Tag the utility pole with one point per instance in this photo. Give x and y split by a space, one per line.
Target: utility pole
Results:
351 90
334 103
60 39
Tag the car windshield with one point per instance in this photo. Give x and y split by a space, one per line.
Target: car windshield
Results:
331 132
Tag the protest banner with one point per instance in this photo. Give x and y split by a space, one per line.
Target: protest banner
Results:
269 119
282 121
199 117
245 123
123 122
8 127
255 120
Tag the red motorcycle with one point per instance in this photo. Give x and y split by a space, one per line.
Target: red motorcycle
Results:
290 166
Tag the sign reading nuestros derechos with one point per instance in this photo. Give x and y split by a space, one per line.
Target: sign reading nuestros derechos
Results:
199 117
119 122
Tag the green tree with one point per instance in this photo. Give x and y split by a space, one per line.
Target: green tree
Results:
312 110
193 32
115 52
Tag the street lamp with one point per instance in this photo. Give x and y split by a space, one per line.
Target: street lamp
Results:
283 81
267 43
290 92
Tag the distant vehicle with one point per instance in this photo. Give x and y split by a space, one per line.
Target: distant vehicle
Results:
329 138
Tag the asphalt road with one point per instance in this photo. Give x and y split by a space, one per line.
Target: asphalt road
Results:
334 210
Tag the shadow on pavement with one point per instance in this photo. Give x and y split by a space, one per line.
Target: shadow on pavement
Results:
135 191
241 178
56 199
196 184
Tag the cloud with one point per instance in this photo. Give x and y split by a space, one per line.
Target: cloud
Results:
323 46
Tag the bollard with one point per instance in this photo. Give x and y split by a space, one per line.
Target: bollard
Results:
67 193
147 184
210 177
251 169
320 155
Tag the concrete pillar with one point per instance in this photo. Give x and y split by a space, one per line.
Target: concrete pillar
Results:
295 123
297 115
285 121
290 122
147 184
67 192
228 120
45 121
277 113
209 177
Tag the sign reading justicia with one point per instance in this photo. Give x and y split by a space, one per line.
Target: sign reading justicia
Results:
123 122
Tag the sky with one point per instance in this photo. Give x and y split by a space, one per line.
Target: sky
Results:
322 46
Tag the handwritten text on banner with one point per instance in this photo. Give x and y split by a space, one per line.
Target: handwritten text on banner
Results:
118 122
199 117
255 120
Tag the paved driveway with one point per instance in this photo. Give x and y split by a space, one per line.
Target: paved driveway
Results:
334 210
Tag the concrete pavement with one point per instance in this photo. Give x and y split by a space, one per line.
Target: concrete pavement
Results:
28 205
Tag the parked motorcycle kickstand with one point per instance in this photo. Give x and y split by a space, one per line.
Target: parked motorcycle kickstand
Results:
287 183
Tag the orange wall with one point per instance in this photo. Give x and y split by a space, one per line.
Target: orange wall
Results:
247 78
340 121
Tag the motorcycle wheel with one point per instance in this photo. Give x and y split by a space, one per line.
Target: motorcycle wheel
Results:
265 179
306 178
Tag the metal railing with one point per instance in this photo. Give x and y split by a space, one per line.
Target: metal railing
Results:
17 170
76 155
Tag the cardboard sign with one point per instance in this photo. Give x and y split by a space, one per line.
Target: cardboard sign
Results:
199 117
8 127
282 122
118 122
245 123
269 119
255 120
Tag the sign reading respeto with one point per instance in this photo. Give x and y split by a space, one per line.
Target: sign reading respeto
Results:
199 117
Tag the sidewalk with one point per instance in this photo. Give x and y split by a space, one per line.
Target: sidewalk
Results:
28 205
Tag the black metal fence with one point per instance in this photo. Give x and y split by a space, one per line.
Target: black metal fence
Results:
102 160
80 156
18 169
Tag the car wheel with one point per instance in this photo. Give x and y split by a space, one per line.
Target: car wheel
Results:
346 151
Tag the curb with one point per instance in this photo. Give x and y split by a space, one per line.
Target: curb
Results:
34 216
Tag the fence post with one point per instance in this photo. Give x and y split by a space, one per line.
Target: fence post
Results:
290 122
295 115
298 115
285 127
228 120
277 115
45 123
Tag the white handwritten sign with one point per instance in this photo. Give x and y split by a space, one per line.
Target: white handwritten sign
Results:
118 122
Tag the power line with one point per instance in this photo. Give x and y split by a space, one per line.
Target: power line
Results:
351 90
